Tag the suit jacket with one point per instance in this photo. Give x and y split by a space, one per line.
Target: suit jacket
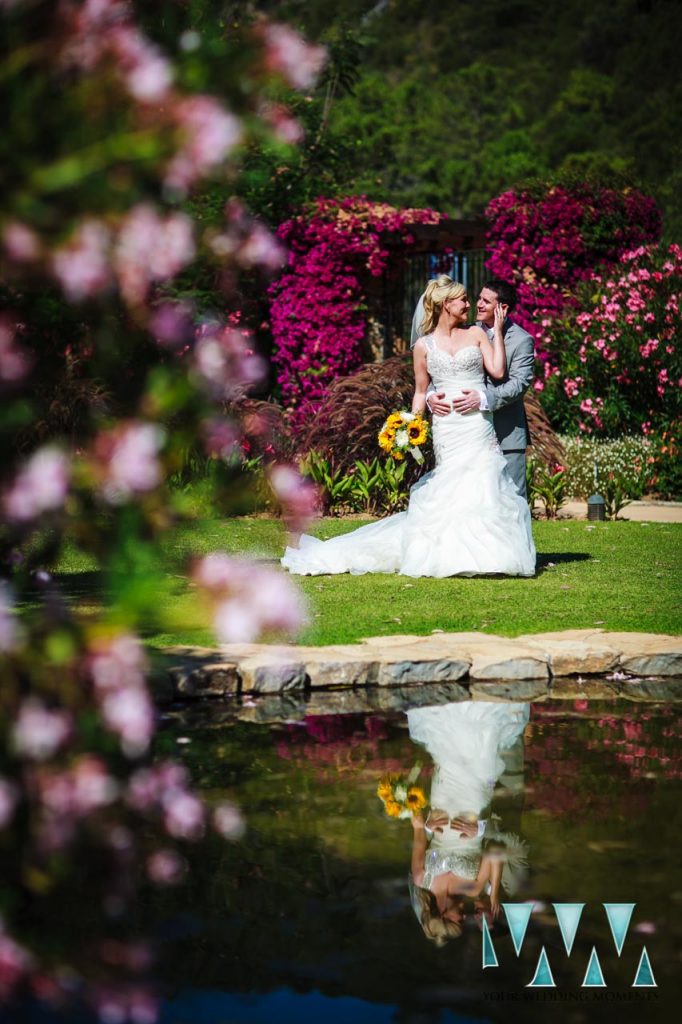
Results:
505 398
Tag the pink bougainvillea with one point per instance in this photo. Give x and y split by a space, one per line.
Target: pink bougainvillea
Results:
615 366
548 239
317 306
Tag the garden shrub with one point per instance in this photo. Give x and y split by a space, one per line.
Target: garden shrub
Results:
548 237
318 312
616 367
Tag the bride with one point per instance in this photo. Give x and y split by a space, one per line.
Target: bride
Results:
463 856
465 517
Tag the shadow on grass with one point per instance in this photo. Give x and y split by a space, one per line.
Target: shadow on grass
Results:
551 558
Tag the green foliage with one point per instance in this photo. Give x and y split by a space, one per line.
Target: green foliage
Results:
455 103
622 467
546 486
373 487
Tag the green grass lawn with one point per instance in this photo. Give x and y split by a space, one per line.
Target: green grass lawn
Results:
616 575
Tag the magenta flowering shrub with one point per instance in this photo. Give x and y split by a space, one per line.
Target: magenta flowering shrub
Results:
318 316
548 239
616 366
102 142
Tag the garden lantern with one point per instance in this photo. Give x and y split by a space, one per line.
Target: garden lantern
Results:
596 506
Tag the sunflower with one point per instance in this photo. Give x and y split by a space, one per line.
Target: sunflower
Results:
415 799
386 439
384 789
392 808
394 420
417 432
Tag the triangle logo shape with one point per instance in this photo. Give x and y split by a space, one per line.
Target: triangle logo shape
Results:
489 955
568 916
644 978
619 915
518 916
594 977
543 977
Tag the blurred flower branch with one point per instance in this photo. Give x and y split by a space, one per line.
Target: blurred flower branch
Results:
108 382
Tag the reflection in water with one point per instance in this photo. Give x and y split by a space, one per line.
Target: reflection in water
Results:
310 918
463 860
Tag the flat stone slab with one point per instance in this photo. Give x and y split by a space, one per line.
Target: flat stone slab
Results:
648 654
575 651
538 661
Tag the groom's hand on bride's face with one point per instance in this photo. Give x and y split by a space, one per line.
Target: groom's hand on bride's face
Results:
467 401
438 404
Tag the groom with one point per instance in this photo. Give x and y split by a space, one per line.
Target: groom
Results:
503 399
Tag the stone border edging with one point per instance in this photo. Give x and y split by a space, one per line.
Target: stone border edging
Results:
485 667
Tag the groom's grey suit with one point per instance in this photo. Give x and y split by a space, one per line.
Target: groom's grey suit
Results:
505 398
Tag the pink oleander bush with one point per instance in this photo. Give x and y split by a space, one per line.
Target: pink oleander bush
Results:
615 366
547 239
102 143
318 313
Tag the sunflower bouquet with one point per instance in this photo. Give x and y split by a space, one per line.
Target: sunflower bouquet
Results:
404 432
399 794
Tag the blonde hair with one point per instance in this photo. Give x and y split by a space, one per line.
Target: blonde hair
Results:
437 292
435 927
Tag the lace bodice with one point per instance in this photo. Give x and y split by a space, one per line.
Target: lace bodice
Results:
466 364
437 862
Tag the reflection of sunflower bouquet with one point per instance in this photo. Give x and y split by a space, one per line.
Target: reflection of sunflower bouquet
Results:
404 432
399 794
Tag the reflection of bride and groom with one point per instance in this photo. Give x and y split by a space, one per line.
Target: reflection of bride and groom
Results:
469 515
463 861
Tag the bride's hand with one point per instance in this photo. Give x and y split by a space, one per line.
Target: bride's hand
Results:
500 317
437 820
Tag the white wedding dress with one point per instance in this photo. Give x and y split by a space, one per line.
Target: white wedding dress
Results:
466 740
464 518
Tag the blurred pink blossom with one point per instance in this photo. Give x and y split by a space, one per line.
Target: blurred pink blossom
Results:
248 599
40 486
210 133
77 792
166 867
299 497
184 816
38 732
285 127
129 712
226 361
130 453
8 800
15 963
151 248
287 53
228 820
118 663
157 785
82 265
117 670
21 243
171 323
221 437
14 361
147 74
260 248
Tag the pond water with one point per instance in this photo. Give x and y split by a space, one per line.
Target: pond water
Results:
311 916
